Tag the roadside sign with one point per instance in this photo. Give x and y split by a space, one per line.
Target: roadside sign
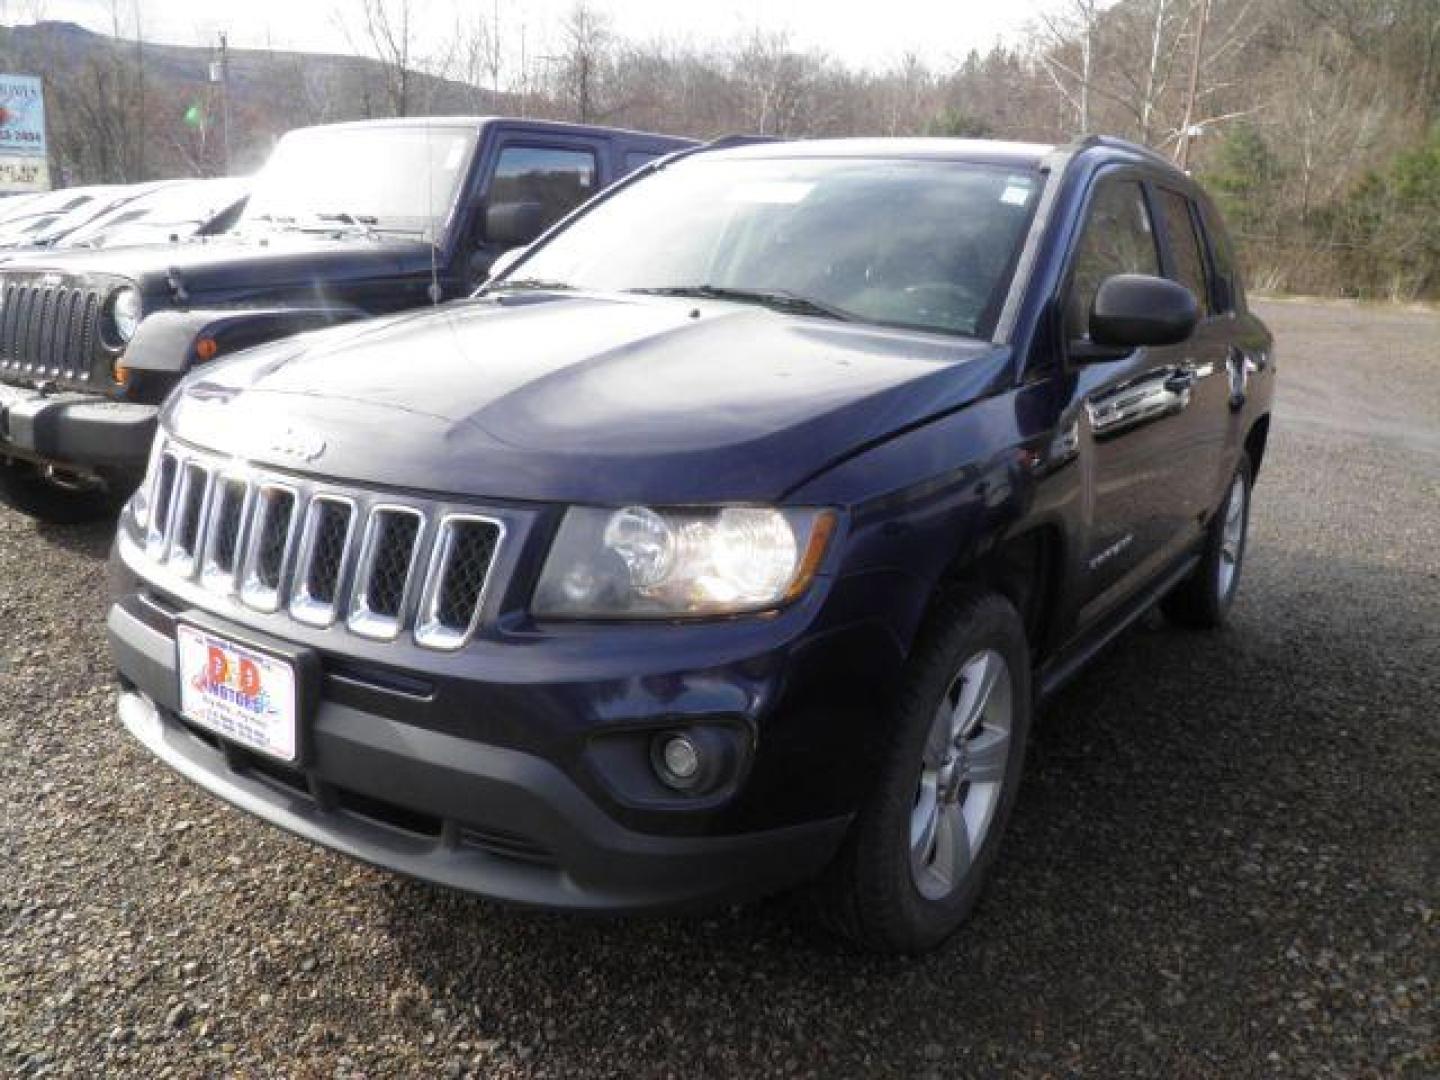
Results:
24 162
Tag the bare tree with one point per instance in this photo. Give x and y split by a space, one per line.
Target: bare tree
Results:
1067 54
387 31
586 40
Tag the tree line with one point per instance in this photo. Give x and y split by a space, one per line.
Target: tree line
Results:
1316 123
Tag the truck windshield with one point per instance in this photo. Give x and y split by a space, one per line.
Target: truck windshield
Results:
339 178
923 244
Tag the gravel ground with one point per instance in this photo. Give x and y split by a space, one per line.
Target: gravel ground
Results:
1226 861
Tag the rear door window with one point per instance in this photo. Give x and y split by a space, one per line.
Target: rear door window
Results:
1189 268
557 178
1119 238
635 158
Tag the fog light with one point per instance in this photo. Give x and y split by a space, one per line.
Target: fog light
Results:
678 761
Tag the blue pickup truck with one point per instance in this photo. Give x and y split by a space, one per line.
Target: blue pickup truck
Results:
725 542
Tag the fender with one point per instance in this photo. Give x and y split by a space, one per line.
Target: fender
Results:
166 340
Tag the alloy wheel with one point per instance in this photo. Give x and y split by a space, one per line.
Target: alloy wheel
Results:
962 774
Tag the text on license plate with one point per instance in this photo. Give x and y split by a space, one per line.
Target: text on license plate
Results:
238 693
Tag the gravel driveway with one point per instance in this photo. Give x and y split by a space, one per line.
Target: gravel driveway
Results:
1226 861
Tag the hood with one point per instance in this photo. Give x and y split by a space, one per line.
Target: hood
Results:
228 262
580 398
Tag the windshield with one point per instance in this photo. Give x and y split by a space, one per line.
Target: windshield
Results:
177 209
923 244
365 177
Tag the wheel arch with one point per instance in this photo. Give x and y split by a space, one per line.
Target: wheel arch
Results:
1024 568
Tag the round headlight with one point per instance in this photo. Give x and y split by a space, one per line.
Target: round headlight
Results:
125 314
645 541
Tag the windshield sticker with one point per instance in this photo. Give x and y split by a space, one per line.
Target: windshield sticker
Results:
1017 191
774 192
457 152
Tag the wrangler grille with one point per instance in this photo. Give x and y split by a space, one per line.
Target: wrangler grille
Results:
326 557
49 331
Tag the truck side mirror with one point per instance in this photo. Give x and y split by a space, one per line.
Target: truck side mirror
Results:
513 224
1131 310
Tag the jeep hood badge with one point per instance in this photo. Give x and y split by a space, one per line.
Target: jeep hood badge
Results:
298 445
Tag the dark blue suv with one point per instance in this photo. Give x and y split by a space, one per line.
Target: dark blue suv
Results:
725 541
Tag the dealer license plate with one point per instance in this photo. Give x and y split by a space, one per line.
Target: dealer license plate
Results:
242 695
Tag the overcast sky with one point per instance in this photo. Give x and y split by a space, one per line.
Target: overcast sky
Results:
871 35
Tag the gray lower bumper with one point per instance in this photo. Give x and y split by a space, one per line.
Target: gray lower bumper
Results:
76 429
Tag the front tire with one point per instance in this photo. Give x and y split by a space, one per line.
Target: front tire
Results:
1203 599
27 488
923 843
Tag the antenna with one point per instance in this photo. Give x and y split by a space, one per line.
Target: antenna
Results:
434 290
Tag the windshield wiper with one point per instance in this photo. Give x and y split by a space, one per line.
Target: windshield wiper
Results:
346 218
537 284
778 299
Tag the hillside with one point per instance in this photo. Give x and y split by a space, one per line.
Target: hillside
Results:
120 110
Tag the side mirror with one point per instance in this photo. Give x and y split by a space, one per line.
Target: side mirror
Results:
501 264
513 224
1131 310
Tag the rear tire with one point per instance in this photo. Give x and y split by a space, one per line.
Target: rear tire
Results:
26 488
922 845
1203 599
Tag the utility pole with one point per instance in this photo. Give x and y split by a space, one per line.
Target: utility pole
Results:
220 75
1187 127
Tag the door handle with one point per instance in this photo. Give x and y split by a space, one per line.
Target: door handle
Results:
1180 381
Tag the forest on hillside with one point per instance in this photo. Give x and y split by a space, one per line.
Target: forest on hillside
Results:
1316 123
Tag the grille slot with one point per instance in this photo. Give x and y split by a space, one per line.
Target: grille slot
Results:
222 545
324 546
455 582
50 331
271 530
188 516
387 561
161 501
320 555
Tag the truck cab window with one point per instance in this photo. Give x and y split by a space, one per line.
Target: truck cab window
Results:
556 179
1118 239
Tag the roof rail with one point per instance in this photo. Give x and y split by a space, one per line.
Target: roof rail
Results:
1111 142
725 142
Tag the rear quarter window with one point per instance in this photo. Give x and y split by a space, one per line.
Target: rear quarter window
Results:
636 158
1185 252
1229 290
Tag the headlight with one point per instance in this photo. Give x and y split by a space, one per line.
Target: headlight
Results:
124 314
640 562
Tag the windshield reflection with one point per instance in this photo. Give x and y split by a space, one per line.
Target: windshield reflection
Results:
367 179
921 244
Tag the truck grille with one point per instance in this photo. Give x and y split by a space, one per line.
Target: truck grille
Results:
49 331
326 557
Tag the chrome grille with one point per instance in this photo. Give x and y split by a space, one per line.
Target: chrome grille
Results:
324 545
271 530
387 562
49 331
455 582
326 557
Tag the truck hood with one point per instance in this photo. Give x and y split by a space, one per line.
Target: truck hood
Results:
580 398
230 262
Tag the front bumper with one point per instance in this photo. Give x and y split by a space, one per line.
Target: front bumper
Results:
78 429
490 819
